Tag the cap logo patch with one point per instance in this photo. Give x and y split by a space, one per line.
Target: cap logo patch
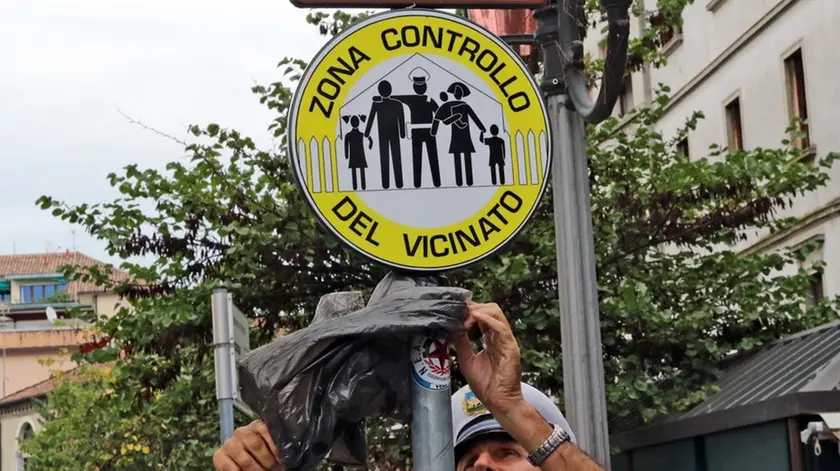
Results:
471 405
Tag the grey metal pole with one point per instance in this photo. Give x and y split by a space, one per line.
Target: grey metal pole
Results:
223 342
558 35
431 414
583 369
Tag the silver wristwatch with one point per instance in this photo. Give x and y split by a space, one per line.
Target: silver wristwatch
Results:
558 437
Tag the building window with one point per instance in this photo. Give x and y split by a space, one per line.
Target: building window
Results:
37 293
668 34
26 433
813 253
625 100
5 297
815 293
734 133
682 148
670 37
797 103
668 30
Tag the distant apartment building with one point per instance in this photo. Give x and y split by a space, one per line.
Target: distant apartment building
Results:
38 334
750 67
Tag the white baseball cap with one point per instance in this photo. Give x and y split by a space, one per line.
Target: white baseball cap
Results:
470 419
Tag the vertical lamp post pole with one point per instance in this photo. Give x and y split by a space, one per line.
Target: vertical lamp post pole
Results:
431 416
559 36
225 374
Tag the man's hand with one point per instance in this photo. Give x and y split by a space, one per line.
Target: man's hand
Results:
494 374
249 449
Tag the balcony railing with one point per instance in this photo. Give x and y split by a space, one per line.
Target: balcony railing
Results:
33 335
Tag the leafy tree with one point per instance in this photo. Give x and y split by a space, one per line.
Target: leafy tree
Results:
675 303
135 409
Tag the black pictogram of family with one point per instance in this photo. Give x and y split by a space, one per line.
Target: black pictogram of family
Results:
426 116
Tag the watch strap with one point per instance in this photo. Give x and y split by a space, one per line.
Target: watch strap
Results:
558 437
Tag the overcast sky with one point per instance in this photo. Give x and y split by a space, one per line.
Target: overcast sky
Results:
67 69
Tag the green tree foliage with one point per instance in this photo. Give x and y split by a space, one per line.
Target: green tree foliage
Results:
675 304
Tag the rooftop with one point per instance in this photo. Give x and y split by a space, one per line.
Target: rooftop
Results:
40 389
36 390
796 375
808 361
50 264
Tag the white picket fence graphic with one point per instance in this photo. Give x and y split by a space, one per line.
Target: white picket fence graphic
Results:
527 161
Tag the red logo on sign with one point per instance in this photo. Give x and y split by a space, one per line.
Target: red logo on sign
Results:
437 357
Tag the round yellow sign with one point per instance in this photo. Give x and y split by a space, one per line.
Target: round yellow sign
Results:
420 139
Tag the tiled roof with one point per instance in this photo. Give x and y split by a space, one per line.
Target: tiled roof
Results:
808 361
36 390
47 263
42 388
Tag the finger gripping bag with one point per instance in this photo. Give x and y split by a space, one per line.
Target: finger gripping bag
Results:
314 387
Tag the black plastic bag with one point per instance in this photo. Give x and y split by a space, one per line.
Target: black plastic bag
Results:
314 387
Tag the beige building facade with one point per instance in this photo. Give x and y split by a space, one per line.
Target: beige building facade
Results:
18 421
750 67
38 334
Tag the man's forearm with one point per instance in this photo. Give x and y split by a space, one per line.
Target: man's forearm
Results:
530 430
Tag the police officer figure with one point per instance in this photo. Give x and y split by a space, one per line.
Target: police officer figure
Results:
422 111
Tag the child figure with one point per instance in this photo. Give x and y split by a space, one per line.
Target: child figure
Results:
354 150
496 145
